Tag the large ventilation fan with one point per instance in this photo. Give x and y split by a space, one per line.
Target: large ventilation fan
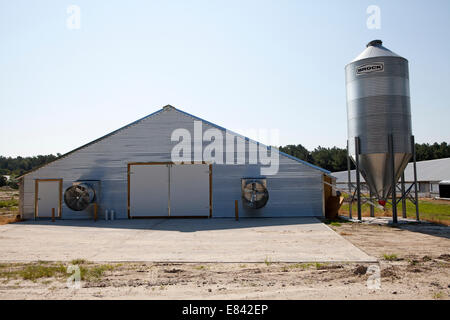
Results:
79 196
254 192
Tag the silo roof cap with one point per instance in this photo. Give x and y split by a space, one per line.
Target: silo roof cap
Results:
374 43
375 49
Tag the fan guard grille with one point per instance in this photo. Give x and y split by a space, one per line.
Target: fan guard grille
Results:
78 197
254 194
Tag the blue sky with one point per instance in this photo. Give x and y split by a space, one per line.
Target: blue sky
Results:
239 64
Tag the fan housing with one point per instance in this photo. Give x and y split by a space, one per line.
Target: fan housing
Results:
79 196
254 192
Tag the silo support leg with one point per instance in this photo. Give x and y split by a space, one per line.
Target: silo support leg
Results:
358 182
394 182
349 177
416 197
372 209
403 196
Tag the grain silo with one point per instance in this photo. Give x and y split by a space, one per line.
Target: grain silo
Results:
380 140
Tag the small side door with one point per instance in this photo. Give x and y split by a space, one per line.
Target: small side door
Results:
48 195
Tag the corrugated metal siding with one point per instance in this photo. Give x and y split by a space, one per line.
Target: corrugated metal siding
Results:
21 198
292 192
378 103
295 191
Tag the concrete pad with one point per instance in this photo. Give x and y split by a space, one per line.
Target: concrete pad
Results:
178 240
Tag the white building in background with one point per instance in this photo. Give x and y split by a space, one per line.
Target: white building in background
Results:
429 174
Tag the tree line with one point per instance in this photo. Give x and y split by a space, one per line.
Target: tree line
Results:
19 165
335 159
332 159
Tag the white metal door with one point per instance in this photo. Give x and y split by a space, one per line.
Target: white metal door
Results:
149 190
189 190
48 197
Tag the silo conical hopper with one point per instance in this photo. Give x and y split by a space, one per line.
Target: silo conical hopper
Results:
378 105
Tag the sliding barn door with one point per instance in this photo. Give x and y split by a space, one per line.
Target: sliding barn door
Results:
149 190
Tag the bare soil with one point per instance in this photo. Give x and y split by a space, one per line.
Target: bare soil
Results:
8 215
414 262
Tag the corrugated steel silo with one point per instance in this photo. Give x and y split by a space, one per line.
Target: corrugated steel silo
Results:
378 105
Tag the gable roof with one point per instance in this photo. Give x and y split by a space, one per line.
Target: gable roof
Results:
169 107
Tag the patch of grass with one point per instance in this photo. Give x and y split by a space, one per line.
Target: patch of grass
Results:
42 269
9 203
413 262
200 267
33 272
79 261
94 272
267 261
300 265
430 210
335 222
36 272
438 295
390 257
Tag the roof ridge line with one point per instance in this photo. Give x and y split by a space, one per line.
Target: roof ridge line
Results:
169 107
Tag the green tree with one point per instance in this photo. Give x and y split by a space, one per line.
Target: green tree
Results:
3 181
297 151
13 183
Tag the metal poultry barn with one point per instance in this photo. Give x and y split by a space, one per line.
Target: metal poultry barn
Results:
130 173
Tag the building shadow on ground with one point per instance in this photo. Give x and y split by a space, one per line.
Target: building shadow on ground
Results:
179 225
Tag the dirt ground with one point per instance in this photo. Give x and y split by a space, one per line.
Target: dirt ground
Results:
414 263
8 215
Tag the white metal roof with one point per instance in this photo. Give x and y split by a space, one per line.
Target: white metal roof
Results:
428 170
375 51
171 108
